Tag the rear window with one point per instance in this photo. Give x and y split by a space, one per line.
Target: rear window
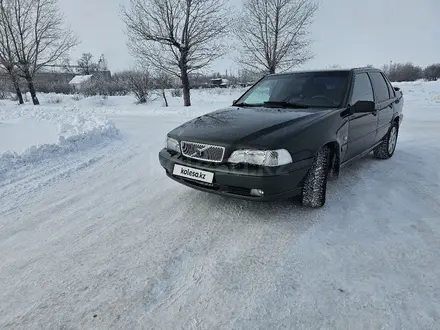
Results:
314 89
380 87
390 87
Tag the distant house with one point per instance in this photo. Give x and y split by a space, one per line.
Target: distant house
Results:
78 82
219 82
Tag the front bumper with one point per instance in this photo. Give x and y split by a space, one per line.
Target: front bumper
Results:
237 181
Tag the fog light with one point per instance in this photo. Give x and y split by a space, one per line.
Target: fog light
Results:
257 192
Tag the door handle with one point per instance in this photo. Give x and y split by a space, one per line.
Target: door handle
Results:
374 113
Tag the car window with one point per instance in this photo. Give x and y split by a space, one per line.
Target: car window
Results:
261 93
314 89
390 87
362 89
380 87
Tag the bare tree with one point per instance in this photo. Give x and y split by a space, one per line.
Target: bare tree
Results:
65 65
139 82
273 33
7 63
162 81
38 36
8 60
432 72
397 72
86 65
177 36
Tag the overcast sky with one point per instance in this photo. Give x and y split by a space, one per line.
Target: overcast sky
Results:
345 32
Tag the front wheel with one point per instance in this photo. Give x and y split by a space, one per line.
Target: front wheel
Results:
386 149
315 185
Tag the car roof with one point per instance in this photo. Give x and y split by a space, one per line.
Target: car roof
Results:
352 69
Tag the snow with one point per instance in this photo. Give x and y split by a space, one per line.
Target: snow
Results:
13 139
78 80
30 134
99 237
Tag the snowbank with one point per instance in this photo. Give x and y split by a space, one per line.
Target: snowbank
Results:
12 137
73 139
72 131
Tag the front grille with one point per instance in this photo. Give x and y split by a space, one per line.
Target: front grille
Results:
201 151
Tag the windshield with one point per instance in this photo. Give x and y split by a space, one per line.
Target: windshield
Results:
311 89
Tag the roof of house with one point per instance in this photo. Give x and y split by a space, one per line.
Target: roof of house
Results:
80 79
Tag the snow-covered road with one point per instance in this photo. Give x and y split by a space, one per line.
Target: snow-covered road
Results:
103 239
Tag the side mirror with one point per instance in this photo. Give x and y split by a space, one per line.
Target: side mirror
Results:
233 102
364 106
396 88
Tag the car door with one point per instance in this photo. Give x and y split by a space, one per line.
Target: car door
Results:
384 96
362 126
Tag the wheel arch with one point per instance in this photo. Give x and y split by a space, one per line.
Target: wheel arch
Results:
335 157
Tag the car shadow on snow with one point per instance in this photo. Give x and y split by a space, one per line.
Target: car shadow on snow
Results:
253 211
367 179
339 189
357 182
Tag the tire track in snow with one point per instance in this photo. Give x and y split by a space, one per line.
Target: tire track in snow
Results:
32 180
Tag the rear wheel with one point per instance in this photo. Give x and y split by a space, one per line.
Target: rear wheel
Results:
315 185
386 149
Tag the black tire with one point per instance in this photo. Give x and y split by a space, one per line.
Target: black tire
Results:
315 185
386 149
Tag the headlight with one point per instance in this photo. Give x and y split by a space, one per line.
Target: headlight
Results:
261 157
172 144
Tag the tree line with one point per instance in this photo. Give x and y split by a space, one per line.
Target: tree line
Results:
398 72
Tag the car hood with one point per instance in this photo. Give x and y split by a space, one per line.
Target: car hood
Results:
235 125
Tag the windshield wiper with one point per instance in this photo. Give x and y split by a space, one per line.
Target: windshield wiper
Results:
244 104
285 104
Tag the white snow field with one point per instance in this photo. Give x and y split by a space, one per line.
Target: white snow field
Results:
93 235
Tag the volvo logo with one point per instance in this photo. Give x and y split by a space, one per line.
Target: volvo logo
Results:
199 152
